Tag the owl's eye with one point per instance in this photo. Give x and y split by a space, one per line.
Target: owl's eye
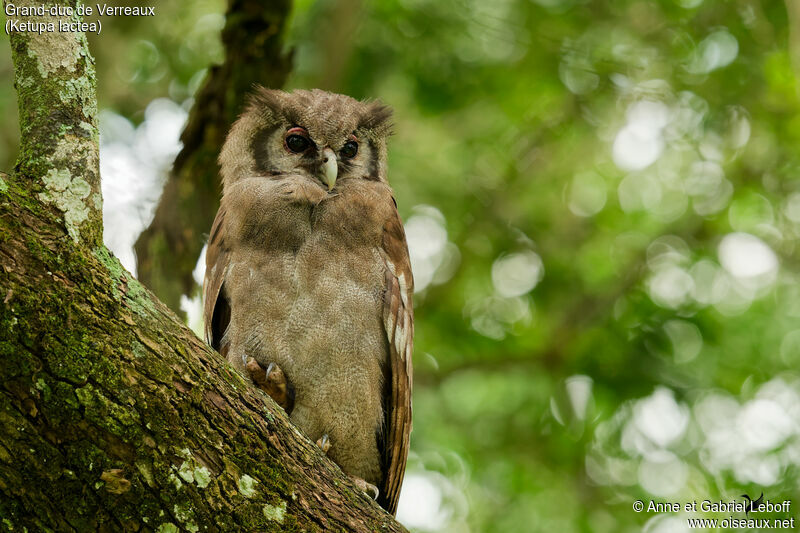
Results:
349 150
297 143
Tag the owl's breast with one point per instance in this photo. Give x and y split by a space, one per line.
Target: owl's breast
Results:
317 313
355 215
272 214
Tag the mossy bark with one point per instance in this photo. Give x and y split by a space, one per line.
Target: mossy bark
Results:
113 415
167 251
55 82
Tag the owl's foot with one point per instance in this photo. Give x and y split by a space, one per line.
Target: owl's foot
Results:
324 443
272 381
368 488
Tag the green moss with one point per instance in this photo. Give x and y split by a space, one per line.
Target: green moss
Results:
63 396
139 299
41 385
113 266
111 263
106 413
65 348
146 471
138 349
169 527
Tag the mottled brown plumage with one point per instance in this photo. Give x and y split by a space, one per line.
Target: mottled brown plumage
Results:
307 273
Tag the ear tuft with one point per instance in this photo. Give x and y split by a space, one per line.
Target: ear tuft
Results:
377 117
261 99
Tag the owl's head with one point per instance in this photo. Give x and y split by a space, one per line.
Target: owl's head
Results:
327 137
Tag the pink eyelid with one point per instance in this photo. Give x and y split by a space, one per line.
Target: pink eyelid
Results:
297 131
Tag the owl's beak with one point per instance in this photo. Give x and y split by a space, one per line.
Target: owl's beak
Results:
330 168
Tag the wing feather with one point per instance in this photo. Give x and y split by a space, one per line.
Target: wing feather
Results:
398 320
216 307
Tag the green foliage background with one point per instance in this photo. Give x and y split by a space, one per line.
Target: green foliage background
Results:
644 362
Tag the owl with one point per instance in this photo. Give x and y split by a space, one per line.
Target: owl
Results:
308 283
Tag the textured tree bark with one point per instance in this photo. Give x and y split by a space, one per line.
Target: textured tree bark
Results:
167 251
113 415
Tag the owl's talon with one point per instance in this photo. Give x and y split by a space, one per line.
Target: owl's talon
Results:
272 381
324 443
367 488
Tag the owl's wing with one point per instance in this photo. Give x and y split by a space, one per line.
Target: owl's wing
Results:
398 319
216 308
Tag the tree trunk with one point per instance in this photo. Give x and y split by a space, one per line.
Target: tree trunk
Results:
167 251
113 415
